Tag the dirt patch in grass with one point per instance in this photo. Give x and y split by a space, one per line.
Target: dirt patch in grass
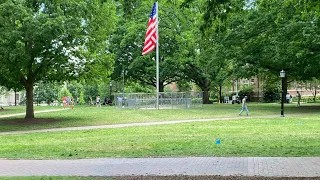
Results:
26 122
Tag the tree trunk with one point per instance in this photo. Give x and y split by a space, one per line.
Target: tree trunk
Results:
15 98
220 94
29 102
285 85
315 94
205 97
161 87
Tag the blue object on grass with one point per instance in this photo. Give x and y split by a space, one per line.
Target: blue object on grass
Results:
218 141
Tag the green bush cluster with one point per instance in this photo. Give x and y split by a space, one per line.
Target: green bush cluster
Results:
247 91
306 99
271 92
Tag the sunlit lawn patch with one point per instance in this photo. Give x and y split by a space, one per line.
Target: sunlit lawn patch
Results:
292 136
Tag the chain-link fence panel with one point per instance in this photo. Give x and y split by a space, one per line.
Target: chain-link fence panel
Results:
167 100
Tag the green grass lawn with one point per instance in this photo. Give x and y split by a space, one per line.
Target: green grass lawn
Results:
255 136
89 116
293 136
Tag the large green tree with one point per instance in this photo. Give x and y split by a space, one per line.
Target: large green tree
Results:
46 92
130 34
210 63
275 35
45 40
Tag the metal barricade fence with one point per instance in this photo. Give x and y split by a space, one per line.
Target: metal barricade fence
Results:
167 100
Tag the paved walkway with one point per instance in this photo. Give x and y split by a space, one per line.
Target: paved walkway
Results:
224 166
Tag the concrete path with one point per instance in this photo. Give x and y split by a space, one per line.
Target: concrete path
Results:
224 166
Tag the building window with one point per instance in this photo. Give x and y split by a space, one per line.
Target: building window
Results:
245 82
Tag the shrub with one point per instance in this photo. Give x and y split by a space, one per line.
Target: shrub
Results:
271 93
247 91
64 92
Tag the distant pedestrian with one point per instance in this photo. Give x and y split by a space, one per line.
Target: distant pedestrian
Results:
226 99
98 101
72 103
68 101
119 99
299 98
288 97
64 102
244 105
234 99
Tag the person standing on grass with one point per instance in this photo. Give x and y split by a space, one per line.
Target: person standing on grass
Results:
299 98
72 103
98 101
64 101
288 98
244 105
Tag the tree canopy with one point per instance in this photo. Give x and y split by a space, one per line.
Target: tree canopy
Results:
129 38
43 40
207 42
276 35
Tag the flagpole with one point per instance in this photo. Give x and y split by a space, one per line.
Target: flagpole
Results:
157 57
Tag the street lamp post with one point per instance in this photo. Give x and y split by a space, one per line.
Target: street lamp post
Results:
110 88
282 75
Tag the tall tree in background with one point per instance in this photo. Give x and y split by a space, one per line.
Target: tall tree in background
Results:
43 40
211 63
46 92
130 37
276 35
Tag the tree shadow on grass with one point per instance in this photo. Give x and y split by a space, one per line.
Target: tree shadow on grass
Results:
309 107
303 109
2 110
28 121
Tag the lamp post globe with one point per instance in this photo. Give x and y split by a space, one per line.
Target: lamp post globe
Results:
282 74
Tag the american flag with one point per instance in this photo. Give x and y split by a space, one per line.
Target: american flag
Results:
151 35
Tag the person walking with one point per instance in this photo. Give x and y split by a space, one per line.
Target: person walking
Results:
244 105
299 98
